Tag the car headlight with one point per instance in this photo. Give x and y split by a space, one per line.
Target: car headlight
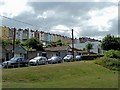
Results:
8 63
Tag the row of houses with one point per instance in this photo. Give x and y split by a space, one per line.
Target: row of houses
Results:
7 52
24 34
7 33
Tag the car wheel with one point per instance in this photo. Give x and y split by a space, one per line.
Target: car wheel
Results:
37 63
3 66
29 64
46 63
7 65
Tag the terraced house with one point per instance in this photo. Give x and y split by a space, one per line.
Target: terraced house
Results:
4 33
19 34
24 34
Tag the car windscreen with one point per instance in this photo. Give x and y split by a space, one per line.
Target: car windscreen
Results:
69 56
13 59
36 58
53 57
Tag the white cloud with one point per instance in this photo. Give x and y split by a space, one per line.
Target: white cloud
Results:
76 31
13 8
79 18
0 21
102 18
105 0
98 37
61 29
87 19
46 14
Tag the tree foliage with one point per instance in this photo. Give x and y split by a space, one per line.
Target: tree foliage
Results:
60 43
6 43
112 54
57 43
33 43
110 42
17 41
9 42
89 46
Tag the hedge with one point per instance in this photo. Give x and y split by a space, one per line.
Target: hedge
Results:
110 63
112 54
90 57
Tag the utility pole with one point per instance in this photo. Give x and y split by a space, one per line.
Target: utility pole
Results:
14 41
73 44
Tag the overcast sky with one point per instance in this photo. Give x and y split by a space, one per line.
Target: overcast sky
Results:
93 19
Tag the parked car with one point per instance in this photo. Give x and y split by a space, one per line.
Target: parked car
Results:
77 57
55 59
15 61
68 58
38 60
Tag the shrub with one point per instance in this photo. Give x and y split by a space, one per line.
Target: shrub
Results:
111 63
112 54
90 57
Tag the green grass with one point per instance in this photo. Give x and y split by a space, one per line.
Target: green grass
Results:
77 74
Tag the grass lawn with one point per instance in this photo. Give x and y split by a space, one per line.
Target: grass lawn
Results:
77 74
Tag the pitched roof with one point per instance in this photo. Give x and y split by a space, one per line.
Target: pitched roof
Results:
58 48
20 49
61 48
10 48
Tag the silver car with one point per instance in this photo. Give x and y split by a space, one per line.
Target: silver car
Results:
38 60
77 57
68 58
55 59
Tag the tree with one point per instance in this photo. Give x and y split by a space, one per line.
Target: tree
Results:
110 42
83 49
6 43
54 44
9 42
89 46
34 43
60 43
17 41
118 39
